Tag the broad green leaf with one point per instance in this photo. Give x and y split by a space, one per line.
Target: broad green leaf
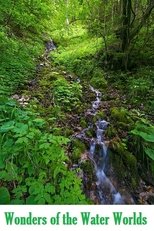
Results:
22 140
4 196
145 136
59 169
7 126
17 202
21 129
149 152
41 201
50 188
39 122
47 198
31 200
2 165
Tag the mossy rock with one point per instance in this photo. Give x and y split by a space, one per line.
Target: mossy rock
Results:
38 95
99 115
90 133
125 164
80 108
111 132
26 93
119 114
118 165
122 118
76 155
83 123
151 199
87 167
78 148
78 144
57 131
49 77
89 174
44 82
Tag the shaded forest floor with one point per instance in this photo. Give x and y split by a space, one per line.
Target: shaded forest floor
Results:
64 97
60 94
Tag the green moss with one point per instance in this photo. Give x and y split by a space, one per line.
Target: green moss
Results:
57 131
120 114
90 133
44 82
76 155
78 148
87 167
111 132
122 118
78 144
118 165
99 115
98 80
67 132
83 123
125 164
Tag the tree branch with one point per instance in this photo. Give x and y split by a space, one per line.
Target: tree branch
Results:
143 20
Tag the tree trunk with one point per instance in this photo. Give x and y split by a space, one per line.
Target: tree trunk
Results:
128 34
126 18
126 22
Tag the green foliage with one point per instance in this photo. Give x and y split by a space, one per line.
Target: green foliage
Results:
125 162
21 26
98 79
77 50
4 196
64 13
34 161
78 149
67 95
111 132
144 141
120 114
141 83
144 130
33 152
140 87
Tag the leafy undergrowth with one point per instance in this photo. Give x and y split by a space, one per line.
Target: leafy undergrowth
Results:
21 41
76 50
135 89
34 161
14 74
127 103
37 147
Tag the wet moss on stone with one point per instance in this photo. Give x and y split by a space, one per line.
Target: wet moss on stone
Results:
125 164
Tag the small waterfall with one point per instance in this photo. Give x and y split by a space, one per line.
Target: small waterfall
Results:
99 154
44 59
50 46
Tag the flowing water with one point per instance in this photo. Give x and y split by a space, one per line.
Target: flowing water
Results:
98 153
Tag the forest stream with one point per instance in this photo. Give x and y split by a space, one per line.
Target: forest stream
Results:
104 188
106 192
76 102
